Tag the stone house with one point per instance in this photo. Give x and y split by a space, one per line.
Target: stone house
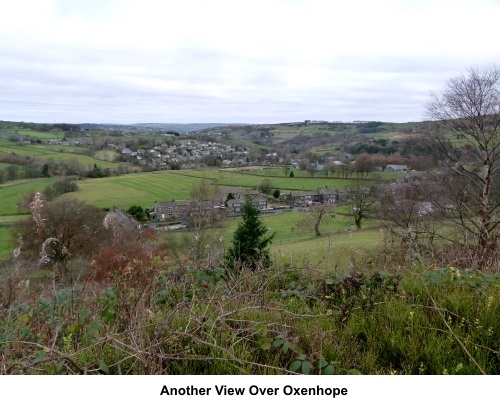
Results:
306 198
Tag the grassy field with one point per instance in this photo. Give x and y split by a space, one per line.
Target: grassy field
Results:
280 172
5 245
251 180
284 226
146 188
298 247
43 136
108 155
11 219
35 150
327 252
134 189
58 153
12 192
338 243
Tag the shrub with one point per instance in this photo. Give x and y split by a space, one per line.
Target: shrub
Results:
62 186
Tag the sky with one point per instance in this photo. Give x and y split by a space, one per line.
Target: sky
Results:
236 61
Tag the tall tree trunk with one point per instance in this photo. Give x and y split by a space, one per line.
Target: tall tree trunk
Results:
357 220
318 222
484 247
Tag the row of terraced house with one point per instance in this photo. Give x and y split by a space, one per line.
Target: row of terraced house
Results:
229 201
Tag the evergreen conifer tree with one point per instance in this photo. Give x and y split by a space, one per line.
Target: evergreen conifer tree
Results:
249 246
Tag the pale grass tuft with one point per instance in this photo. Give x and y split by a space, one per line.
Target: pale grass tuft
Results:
111 222
36 208
17 250
44 258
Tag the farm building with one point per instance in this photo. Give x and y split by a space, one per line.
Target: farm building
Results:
396 168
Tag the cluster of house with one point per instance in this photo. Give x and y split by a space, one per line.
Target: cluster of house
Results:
226 201
68 143
229 201
301 199
188 153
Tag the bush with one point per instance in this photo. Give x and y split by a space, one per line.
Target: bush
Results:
138 213
442 321
62 186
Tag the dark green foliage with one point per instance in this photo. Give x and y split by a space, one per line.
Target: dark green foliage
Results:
291 174
230 196
369 127
249 247
97 173
45 170
137 212
276 193
372 148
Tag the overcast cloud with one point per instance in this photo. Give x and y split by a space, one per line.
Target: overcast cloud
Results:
246 61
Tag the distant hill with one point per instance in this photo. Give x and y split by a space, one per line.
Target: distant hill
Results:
152 127
181 127
107 127
319 137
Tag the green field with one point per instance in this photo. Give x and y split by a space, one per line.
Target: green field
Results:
251 180
328 251
298 247
12 192
146 188
57 153
11 219
339 242
108 155
5 245
285 229
134 189
43 136
273 172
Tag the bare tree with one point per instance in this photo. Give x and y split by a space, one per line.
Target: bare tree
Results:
304 162
311 169
364 164
326 169
464 135
316 216
410 216
362 200
203 216
61 231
